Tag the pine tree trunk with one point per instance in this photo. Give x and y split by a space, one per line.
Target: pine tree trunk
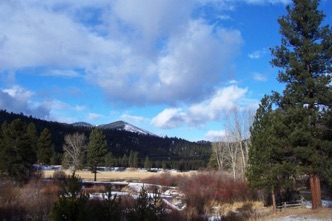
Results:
95 179
312 190
316 197
318 191
274 204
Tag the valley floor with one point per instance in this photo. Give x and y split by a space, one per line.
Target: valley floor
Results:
132 175
115 175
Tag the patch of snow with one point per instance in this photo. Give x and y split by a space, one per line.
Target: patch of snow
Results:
325 204
298 218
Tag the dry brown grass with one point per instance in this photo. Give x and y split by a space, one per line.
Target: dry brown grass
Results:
133 175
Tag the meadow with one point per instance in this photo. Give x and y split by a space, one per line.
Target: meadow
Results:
125 175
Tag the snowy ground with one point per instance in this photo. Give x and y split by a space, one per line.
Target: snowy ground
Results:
299 218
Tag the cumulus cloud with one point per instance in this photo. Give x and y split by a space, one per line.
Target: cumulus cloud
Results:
197 114
169 118
157 50
185 69
132 118
214 135
18 100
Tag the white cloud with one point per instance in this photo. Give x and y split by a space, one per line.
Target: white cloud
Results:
157 49
185 69
19 100
267 1
259 77
169 118
214 135
148 20
19 93
197 114
258 54
133 119
154 52
62 73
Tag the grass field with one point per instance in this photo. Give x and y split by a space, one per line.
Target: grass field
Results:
128 175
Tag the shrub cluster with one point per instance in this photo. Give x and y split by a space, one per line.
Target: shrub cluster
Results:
63 198
203 189
33 201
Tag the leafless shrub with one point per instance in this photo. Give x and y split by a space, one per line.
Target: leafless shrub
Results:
59 174
164 179
202 189
95 189
32 201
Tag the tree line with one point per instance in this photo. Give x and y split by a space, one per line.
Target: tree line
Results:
34 141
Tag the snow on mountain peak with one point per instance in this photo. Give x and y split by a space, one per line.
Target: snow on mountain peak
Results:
117 125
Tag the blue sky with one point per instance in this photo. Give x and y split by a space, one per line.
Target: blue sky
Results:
172 67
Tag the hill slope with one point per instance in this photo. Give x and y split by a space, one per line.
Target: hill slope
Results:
123 138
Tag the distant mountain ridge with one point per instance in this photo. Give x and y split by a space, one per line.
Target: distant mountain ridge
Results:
117 125
82 124
122 139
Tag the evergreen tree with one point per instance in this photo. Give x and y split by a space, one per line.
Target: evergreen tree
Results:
71 201
107 208
148 208
16 155
97 149
3 169
44 147
147 163
109 160
269 168
124 160
133 159
163 165
32 134
304 59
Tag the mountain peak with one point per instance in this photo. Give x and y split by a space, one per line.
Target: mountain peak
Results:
122 125
81 124
117 125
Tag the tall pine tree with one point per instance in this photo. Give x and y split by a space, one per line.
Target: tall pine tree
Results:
44 147
269 168
32 134
304 59
16 151
97 149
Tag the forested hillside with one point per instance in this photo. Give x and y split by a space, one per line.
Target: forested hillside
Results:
126 148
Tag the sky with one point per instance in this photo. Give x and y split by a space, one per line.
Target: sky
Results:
174 68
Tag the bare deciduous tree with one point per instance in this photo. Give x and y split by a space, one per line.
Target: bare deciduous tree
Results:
74 147
231 150
218 154
237 125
